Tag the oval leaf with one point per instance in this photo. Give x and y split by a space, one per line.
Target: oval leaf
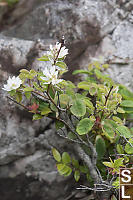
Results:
66 158
84 126
64 169
123 131
56 155
84 85
77 175
128 147
127 103
78 108
100 146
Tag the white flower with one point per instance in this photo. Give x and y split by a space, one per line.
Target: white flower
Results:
51 76
52 54
116 89
63 52
12 83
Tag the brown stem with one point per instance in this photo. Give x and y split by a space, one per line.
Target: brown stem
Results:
40 95
106 99
50 98
62 43
20 104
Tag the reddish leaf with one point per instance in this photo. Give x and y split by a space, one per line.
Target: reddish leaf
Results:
33 108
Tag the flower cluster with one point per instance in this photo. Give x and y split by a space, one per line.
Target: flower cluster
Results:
50 74
12 84
57 51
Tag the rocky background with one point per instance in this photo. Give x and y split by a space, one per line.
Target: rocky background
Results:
91 29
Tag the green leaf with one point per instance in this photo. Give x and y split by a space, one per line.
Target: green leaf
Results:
109 164
80 71
28 95
84 85
42 104
69 84
92 90
33 72
25 71
78 108
116 184
37 86
118 163
37 116
46 111
97 64
109 130
126 159
120 110
64 169
129 148
28 89
119 148
126 94
124 131
18 96
64 100
52 106
100 146
72 136
112 123
58 125
56 155
75 163
105 66
44 108
117 119
127 103
77 175
61 65
43 58
128 110
69 171
12 93
99 75
66 158
83 169
84 126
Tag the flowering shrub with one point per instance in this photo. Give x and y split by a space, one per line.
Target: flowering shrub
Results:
91 114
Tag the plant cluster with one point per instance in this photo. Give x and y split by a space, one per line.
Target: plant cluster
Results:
92 114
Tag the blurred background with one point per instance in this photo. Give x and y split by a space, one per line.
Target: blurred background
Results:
93 29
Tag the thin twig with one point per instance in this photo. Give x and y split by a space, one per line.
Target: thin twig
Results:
35 92
113 178
124 138
96 189
65 137
106 99
20 104
122 155
62 43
